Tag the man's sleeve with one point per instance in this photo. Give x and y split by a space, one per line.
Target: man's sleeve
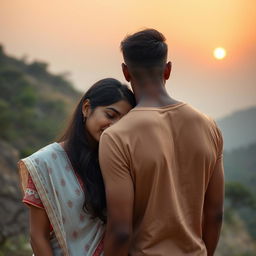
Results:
113 162
213 203
119 196
220 143
116 174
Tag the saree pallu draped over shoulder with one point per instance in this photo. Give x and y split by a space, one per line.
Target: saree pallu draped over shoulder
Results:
75 232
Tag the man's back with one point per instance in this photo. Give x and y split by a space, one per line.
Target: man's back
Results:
169 154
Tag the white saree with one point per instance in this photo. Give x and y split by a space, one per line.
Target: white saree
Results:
75 232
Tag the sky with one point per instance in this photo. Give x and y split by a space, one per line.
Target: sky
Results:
82 38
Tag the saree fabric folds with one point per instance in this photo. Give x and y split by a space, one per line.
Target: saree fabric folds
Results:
75 233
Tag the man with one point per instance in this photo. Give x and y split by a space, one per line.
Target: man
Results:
161 164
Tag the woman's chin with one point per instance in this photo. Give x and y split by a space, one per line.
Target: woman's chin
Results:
97 137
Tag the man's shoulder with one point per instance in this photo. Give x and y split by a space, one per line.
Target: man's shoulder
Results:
132 121
119 127
204 121
193 113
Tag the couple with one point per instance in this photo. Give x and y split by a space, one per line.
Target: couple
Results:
152 184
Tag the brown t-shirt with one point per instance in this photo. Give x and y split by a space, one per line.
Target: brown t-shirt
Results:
169 154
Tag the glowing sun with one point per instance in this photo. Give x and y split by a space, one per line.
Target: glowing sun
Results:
219 53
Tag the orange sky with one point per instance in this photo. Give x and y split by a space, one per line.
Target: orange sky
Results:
83 37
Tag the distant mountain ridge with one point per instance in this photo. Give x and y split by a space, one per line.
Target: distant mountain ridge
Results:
239 128
240 166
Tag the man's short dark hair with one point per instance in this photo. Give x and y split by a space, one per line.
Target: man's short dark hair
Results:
146 48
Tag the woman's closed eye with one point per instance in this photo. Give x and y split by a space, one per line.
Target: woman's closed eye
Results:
110 115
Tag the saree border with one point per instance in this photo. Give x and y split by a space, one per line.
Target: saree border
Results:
27 166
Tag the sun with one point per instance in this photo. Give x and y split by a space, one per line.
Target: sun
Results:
219 53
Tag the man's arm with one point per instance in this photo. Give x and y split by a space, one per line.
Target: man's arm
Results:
119 196
213 205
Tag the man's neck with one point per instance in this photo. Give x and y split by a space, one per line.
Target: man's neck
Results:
152 95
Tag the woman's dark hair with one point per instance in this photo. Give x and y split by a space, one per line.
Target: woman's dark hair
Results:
82 149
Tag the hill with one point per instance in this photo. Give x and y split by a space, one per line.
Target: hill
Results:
34 104
238 129
240 175
240 166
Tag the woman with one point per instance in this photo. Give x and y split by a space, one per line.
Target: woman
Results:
62 182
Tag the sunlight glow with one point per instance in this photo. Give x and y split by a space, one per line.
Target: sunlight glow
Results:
219 53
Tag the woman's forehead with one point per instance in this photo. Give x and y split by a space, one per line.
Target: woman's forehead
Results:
121 107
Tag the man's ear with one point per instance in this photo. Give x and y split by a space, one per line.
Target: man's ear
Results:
126 72
86 108
167 70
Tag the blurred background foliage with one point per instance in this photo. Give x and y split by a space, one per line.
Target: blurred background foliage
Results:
34 108
34 104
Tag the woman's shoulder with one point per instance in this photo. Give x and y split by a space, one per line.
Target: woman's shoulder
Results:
51 151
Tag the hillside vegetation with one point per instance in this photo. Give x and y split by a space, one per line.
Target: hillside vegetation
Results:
240 172
34 104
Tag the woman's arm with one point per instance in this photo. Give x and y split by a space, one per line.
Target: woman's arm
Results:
40 232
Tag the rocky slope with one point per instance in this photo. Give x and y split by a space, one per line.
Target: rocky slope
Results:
13 214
